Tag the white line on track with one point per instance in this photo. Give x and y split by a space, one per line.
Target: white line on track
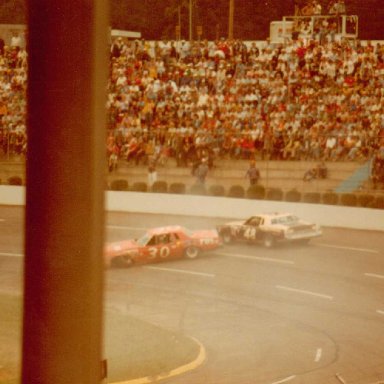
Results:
319 352
304 292
269 259
11 254
347 248
202 274
380 312
374 275
2 220
284 380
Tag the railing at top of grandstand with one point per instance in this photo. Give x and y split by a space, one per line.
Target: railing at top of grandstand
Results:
347 26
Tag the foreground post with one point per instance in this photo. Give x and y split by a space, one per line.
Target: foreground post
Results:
67 45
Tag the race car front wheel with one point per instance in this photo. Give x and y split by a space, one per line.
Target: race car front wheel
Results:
191 252
124 261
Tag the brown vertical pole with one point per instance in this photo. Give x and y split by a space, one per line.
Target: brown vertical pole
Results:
62 325
190 21
231 16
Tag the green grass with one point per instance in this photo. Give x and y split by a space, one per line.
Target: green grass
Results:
133 348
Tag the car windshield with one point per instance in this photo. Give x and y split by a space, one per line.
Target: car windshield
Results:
143 240
289 219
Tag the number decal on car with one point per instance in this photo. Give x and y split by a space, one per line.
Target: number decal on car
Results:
250 233
163 252
207 241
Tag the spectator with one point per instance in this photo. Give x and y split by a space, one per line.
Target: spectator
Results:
253 174
377 169
310 174
152 173
201 172
322 170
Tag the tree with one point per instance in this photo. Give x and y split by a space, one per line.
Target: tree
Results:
371 14
156 19
129 14
213 17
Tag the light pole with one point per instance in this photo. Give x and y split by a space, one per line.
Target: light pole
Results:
178 27
190 20
230 23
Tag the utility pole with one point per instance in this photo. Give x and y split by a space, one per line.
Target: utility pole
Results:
178 26
190 20
231 14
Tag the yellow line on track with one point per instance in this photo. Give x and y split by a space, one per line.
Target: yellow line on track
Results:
175 372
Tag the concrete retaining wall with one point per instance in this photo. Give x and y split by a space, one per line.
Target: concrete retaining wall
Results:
224 207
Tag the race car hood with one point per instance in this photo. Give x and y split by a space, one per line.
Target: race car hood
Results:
120 246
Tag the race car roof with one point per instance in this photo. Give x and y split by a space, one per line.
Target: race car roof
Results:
166 229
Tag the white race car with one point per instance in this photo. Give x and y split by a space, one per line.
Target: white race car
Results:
269 228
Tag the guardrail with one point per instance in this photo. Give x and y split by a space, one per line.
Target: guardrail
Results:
223 207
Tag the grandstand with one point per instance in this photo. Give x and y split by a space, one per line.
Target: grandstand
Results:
313 97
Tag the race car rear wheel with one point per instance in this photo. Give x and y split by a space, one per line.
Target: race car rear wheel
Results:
191 252
268 241
123 261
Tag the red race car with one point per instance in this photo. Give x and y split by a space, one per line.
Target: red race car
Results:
160 244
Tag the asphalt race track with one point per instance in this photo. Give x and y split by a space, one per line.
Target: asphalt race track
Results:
310 314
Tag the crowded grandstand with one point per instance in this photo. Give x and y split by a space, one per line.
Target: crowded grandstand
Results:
316 97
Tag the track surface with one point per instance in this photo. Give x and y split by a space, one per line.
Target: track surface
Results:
309 314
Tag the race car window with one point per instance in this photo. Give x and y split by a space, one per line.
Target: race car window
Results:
152 241
173 237
248 222
144 240
285 220
254 221
164 238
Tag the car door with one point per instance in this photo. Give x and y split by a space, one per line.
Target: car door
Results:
157 248
176 245
162 247
251 228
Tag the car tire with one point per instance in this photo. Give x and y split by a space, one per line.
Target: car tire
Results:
123 261
191 252
226 237
268 240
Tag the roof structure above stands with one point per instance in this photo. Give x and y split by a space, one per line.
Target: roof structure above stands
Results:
314 26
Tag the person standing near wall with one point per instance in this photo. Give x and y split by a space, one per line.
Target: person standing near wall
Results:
253 174
152 173
202 171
